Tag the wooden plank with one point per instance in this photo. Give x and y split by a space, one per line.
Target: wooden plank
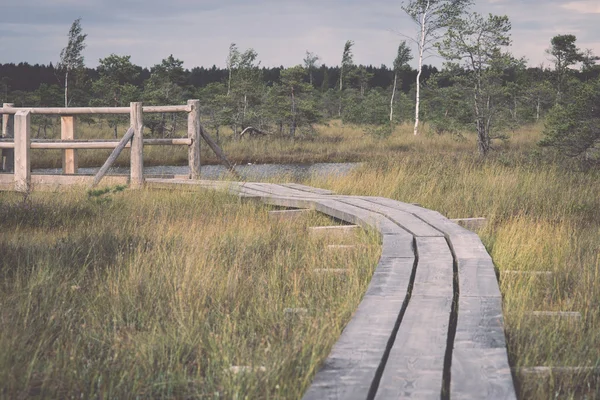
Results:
415 366
406 220
416 363
308 189
94 110
398 245
477 277
349 370
546 371
68 125
22 173
564 315
287 215
481 373
336 271
545 274
280 190
472 224
193 131
435 272
101 144
218 152
7 158
333 232
113 156
137 146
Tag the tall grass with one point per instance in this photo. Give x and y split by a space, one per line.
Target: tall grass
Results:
158 294
542 217
332 142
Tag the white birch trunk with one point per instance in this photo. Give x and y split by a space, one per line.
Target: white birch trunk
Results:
392 100
67 89
421 50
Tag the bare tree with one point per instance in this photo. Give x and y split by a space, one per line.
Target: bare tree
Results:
431 17
71 57
310 63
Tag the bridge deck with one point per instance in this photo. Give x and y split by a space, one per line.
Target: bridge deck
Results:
430 324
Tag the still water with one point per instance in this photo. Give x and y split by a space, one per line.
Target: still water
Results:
247 172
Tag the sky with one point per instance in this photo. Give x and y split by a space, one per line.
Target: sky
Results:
199 32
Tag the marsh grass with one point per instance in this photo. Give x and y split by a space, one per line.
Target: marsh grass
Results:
332 142
158 294
542 217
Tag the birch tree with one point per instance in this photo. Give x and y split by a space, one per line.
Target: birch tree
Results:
402 58
431 17
71 58
233 59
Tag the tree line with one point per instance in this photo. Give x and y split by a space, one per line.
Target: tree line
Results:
482 87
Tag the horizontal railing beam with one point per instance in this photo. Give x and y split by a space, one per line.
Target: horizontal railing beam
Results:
94 144
94 110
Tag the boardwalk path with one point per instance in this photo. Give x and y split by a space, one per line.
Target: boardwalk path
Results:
430 324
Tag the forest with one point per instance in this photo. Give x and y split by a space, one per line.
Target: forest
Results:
481 88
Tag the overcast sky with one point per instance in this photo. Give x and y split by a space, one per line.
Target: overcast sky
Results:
199 32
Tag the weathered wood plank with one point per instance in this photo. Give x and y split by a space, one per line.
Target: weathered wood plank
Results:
94 110
472 224
288 215
308 189
334 232
351 367
404 219
7 158
22 173
416 363
415 366
218 152
113 156
435 272
137 146
68 126
193 131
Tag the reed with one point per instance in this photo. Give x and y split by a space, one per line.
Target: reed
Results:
166 295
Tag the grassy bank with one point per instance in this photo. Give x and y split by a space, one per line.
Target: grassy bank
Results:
542 217
333 142
159 294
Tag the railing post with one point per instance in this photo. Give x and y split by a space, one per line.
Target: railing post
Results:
137 146
7 156
22 151
194 134
67 132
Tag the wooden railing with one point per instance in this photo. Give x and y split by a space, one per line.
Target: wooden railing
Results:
16 142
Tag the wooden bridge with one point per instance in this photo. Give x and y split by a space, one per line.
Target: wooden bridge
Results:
430 324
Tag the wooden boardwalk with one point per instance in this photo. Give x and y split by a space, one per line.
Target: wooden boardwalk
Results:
430 324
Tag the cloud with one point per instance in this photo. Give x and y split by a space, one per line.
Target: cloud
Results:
584 7
199 31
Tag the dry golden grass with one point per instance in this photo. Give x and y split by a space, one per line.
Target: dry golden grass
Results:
542 217
157 294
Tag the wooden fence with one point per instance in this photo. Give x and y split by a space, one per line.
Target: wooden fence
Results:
16 143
